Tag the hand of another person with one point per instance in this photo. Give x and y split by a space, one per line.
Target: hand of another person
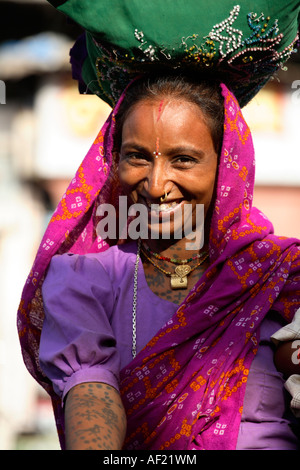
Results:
287 359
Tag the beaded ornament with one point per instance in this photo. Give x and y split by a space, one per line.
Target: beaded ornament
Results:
244 63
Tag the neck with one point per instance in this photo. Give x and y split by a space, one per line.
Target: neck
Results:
178 249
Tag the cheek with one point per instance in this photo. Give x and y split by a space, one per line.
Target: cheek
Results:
125 180
204 184
129 177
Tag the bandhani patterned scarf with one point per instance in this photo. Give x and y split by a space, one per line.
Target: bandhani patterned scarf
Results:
185 389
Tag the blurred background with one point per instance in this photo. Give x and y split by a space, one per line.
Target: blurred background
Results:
46 128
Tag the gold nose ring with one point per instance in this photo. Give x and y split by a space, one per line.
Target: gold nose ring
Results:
164 197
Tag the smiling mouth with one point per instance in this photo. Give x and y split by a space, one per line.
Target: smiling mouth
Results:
164 207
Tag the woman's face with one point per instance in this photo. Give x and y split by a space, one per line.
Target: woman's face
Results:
167 148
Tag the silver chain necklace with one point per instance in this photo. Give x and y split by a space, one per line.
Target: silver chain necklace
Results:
134 301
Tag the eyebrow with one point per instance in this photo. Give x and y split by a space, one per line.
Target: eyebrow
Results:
133 145
179 150
182 150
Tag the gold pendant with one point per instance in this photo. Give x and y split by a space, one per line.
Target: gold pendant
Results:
179 279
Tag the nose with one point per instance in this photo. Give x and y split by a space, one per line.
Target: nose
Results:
157 181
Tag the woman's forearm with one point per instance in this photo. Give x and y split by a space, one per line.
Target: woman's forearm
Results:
94 418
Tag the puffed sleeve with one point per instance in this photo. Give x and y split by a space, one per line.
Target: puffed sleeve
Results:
77 342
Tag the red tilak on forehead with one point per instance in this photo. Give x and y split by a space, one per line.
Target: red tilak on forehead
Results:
157 152
160 110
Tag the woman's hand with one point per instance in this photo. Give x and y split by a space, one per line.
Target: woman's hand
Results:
94 418
287 359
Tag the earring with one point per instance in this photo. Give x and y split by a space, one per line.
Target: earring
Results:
164 197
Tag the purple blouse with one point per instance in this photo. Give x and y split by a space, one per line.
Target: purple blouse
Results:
87 337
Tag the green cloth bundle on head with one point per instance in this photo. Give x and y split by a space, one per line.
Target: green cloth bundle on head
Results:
242 44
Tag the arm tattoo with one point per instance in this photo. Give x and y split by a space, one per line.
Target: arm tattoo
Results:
95 418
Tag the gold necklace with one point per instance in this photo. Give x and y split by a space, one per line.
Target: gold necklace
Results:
179 278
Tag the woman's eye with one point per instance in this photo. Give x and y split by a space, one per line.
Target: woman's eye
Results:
134 158
184 160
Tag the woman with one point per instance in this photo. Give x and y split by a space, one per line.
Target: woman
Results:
194 345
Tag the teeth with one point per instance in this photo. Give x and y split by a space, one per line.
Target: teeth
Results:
163 207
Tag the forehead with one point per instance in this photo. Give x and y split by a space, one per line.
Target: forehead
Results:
161 104
165 116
